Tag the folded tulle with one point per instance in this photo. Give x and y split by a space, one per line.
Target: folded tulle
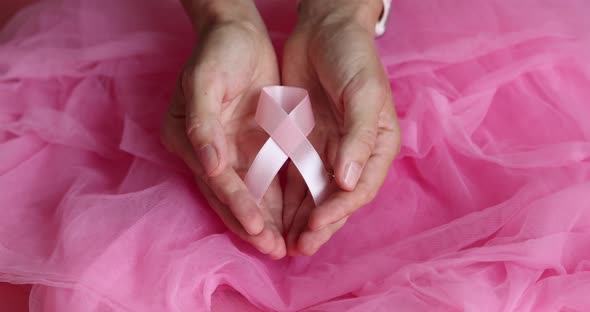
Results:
487 207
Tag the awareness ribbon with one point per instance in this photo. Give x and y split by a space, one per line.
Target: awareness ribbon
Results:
285 114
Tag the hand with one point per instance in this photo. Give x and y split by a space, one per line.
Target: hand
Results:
210 123
332 54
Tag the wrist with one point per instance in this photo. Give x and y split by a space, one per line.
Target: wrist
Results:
365 13
205 14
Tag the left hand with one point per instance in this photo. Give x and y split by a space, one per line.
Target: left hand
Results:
332 54
211 124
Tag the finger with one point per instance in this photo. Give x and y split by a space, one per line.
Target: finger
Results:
203 94
265 241
295 191
228 186
270 241
172 134
363 98
299 225
311 241
341 204
280 249
272 207
231 191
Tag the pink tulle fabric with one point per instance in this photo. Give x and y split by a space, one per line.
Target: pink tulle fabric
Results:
487 207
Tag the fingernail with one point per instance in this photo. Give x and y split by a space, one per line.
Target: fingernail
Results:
352 173
208 158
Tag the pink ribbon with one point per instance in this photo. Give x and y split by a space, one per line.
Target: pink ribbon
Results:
285 114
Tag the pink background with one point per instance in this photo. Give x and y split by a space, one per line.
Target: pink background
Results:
13 298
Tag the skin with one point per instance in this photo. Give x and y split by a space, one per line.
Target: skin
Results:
210 123
332 54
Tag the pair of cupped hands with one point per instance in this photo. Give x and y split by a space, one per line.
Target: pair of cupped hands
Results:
210 124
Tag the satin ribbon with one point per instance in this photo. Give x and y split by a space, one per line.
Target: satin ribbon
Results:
285 114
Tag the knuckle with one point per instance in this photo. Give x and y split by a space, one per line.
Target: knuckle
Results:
364 139
233 191
367 134
357 82
196 129
391 132
365 196
364 82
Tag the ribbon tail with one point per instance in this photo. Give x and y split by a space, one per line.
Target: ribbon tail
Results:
311 167
265 167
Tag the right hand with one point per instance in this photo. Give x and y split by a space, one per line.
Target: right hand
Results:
332 54
210 125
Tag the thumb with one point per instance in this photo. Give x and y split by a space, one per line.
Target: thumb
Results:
363 99
203 122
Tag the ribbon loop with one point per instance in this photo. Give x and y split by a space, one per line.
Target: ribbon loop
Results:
285 113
